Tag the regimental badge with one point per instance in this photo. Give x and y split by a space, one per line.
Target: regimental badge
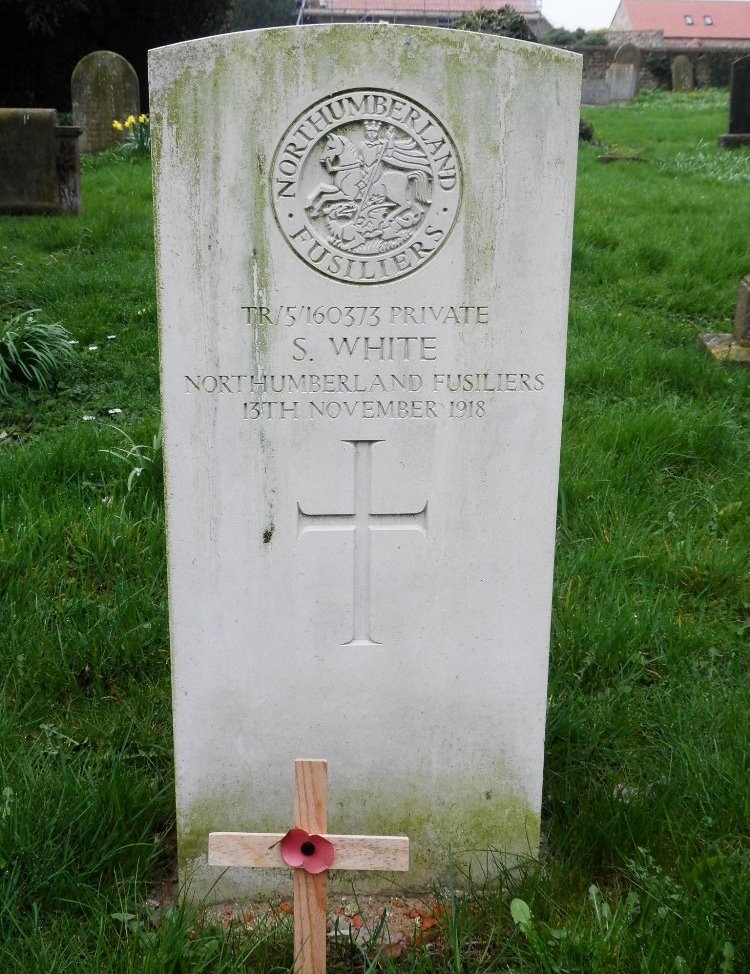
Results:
366 186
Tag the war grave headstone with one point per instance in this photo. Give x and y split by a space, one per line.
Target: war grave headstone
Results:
682 73
734 347
39 163
363 247
739 105
104 87
622 74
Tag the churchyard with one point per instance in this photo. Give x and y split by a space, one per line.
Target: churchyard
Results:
644 862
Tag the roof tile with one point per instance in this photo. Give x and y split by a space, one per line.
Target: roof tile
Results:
730 19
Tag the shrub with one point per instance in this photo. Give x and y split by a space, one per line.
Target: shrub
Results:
660 66
586 131
561 37
33 352
596 38
505 21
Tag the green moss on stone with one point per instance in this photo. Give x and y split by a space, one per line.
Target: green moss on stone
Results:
489 826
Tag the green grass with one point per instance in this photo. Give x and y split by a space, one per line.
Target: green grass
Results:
646 857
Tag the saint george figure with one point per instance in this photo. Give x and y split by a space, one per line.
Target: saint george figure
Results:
380 151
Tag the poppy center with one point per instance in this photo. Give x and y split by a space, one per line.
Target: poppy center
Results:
307 848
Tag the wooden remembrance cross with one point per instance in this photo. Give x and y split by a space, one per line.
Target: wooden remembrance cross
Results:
263 850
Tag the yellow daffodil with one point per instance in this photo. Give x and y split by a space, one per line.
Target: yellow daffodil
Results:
117 125
130 121
143 119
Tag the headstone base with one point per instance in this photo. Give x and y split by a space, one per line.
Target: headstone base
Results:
726 348
734 141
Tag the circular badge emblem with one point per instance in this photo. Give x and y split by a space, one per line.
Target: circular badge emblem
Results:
366 186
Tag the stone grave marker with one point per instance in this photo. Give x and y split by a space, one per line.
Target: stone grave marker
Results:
734 347
39 163
704 72
622 74
595 91
682 73
28 182
68 167
104 87
363 246
739 105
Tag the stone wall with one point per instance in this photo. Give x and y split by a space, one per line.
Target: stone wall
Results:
710 67
655 39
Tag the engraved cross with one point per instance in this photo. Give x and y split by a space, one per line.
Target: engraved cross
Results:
361 523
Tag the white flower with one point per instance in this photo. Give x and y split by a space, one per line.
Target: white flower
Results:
114 412
87 418
93 348
110 337
72 341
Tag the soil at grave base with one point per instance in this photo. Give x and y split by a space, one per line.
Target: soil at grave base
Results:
380 924
388 925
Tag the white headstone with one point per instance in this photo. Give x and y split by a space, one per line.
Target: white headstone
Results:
364 242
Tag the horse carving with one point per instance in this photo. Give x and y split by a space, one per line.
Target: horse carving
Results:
378 192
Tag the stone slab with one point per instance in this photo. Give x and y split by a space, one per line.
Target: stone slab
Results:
739 97
734 347
28 176
734 141
725 348
68 168
741 329
363 240
623 81
683 78
595 91
703 71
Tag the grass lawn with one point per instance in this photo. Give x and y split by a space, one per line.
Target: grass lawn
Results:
645 865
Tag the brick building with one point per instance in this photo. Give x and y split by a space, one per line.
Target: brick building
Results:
687 24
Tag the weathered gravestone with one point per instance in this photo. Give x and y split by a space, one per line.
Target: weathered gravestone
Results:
40 168
363 239
595 91
622 74
104 87
682 73
739 105
734 347
704 72
68 166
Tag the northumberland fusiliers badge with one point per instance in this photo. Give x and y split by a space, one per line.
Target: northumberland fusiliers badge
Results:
366 186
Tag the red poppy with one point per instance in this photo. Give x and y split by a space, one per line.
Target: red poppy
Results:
312 853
